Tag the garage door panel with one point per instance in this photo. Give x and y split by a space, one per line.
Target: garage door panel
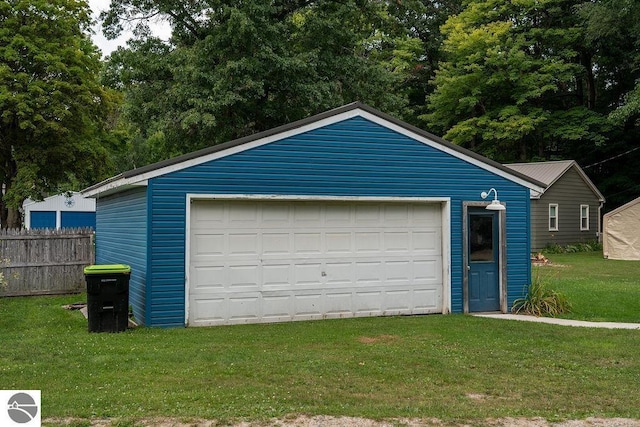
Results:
399 271
276 215
337 304
398 301
367 242
397 241
428 241
338 243
244 214
339 273
274 244
307 243
243 244
264 261
276 275
206 245
208 277
307 274
211 310
427 299
307 304
368 302
244 307
427 271
369 273
338 215
276 306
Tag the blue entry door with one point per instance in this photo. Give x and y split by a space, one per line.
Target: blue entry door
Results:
483 257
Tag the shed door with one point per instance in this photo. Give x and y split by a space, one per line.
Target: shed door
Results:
483 256
43 219
77 219
272 261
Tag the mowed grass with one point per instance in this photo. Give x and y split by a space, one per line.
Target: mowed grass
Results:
457 368
598 289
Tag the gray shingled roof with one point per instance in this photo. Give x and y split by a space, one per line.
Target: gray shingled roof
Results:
549 172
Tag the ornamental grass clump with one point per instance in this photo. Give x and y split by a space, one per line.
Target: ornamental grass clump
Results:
541 301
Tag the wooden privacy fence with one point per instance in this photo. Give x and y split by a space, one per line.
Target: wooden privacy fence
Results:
44 261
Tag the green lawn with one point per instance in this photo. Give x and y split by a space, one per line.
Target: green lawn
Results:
457 368
598 289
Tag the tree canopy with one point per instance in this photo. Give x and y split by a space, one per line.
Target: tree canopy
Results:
233 68
515 81
52 106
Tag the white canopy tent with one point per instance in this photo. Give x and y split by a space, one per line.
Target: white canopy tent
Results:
621 232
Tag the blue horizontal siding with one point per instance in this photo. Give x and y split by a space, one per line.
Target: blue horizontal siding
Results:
355 157
121 238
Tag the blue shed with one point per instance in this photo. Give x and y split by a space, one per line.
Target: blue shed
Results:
347 213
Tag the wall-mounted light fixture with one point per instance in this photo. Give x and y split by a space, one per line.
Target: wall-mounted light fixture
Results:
495 203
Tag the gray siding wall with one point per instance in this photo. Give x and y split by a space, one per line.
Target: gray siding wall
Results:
121 238
569 192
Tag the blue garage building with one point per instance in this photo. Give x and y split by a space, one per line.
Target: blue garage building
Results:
347 213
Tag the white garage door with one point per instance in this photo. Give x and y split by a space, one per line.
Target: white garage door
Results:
273 261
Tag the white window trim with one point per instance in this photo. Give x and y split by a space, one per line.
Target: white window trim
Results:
581 218
556 217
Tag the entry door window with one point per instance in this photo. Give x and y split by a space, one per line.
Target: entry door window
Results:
481 238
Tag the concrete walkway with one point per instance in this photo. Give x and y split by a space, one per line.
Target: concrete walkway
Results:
564 322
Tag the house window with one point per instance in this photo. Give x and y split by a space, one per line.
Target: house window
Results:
553 217
584 217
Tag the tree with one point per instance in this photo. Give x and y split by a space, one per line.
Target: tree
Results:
612 30
517 82
233 68
422 51
52 107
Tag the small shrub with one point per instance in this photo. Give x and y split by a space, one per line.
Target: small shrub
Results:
554 248
541 301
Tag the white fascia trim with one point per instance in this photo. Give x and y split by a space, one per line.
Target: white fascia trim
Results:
115 186
446 230
450 151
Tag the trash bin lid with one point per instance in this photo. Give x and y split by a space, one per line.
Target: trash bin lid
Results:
107 269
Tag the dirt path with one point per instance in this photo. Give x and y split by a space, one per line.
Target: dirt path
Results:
328 421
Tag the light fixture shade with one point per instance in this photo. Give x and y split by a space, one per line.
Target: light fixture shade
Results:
495 206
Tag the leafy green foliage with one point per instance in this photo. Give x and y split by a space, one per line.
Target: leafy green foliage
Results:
52 107
510 85
540 300
234 68
573 248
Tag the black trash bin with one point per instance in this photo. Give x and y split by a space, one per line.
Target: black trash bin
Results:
107 297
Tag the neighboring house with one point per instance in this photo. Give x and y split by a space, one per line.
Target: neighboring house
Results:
347 213
66 210
568 210
621 232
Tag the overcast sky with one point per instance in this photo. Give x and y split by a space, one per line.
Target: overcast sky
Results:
107 46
